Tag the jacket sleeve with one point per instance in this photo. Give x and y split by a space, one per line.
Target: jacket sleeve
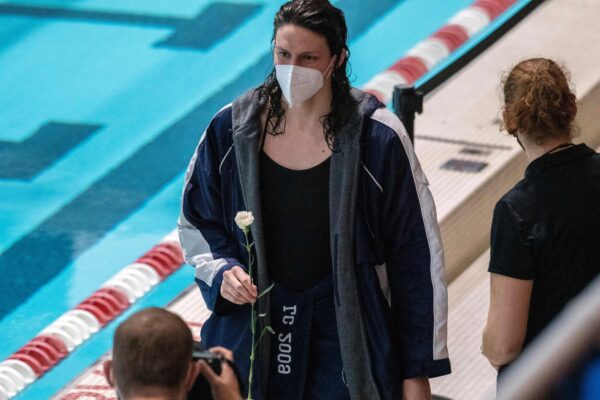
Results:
205 241
415 262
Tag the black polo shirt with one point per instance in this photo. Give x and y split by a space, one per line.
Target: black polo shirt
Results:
547 229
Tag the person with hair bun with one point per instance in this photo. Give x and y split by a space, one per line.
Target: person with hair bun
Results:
545 237
344 226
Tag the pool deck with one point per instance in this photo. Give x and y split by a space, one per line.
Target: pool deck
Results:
464 114
468 300
467 109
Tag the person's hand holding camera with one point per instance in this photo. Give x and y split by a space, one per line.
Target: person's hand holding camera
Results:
224 386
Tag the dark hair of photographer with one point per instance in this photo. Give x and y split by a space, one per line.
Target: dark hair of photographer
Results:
152 357
328 21
152 360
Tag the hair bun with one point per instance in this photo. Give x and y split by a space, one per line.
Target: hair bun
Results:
538 99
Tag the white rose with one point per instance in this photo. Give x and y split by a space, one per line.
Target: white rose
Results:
244 219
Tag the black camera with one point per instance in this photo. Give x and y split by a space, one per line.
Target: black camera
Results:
201 388
214 360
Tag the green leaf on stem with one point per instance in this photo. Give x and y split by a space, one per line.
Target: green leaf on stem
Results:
265 330
267 290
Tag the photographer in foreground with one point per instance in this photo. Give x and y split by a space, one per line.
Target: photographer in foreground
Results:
152 360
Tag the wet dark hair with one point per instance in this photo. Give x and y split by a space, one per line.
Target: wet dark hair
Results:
321 17
538 100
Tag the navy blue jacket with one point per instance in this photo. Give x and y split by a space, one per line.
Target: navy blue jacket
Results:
398 255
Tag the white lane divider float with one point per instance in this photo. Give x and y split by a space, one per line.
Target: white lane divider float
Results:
431 51
75 326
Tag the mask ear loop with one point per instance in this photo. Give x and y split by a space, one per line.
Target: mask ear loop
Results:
333 65
329 70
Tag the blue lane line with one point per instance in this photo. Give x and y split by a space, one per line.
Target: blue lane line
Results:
202 33
198 33
24 160
37 257
41 254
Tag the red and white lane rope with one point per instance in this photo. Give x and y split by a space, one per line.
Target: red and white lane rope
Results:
92 384
431 51
74 327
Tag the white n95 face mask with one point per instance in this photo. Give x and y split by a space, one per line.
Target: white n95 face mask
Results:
298 83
